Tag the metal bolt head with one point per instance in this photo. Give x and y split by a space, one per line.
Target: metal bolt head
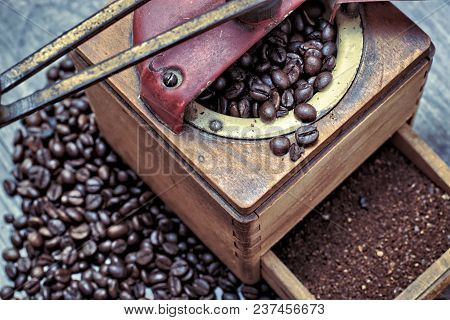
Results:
170 79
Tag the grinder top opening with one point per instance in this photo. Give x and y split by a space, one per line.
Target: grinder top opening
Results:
350 46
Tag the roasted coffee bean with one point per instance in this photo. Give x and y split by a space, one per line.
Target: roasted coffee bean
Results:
77 237
93 201
117 231
278 55
119 246
56 227
63 275
295 152
260 92
237 74
304 92
244 108
323 79
235 90
163 262
6 293
175 286
250 292
11 270
312 65
305 112
306 135
54 192
144 256
179 268
35 239
10 255
280 145
201 287
293 71
233 109
80 232
157 277
24 265
267 111
220 84
276 99
329 63
328 33
280 79
89 248
117 271
8 218
287 99
10 187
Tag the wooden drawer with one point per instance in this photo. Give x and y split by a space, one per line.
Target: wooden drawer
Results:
430 283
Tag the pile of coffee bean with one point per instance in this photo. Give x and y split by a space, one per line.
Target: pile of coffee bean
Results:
90 228
281 71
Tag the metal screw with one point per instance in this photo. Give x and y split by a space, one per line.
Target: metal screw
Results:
215 125
170 79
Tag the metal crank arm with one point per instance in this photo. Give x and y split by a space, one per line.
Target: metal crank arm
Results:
115 11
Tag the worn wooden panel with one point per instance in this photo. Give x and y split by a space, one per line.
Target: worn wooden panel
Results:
414 148
282 280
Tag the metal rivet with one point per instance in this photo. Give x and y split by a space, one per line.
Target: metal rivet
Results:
215 125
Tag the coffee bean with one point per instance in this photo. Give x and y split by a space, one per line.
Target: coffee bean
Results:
62 275
11 270
10 255
280 145
312 65
306 135
287 99
295 152
119 246
179 268
93 201
170 248
144 256
89 248
235 90
6 293
117 231
56 227
304 92
305 112
117 271
233 109
86 288
267 111
175 286
54 192
280 79
201 287
328 33
157 277
35 239
323 79
80 232
10 187
260 92
278 55
163 262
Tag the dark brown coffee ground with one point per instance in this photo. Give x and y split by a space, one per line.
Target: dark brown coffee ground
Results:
372 236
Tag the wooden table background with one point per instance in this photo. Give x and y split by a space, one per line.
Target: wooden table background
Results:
26 25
